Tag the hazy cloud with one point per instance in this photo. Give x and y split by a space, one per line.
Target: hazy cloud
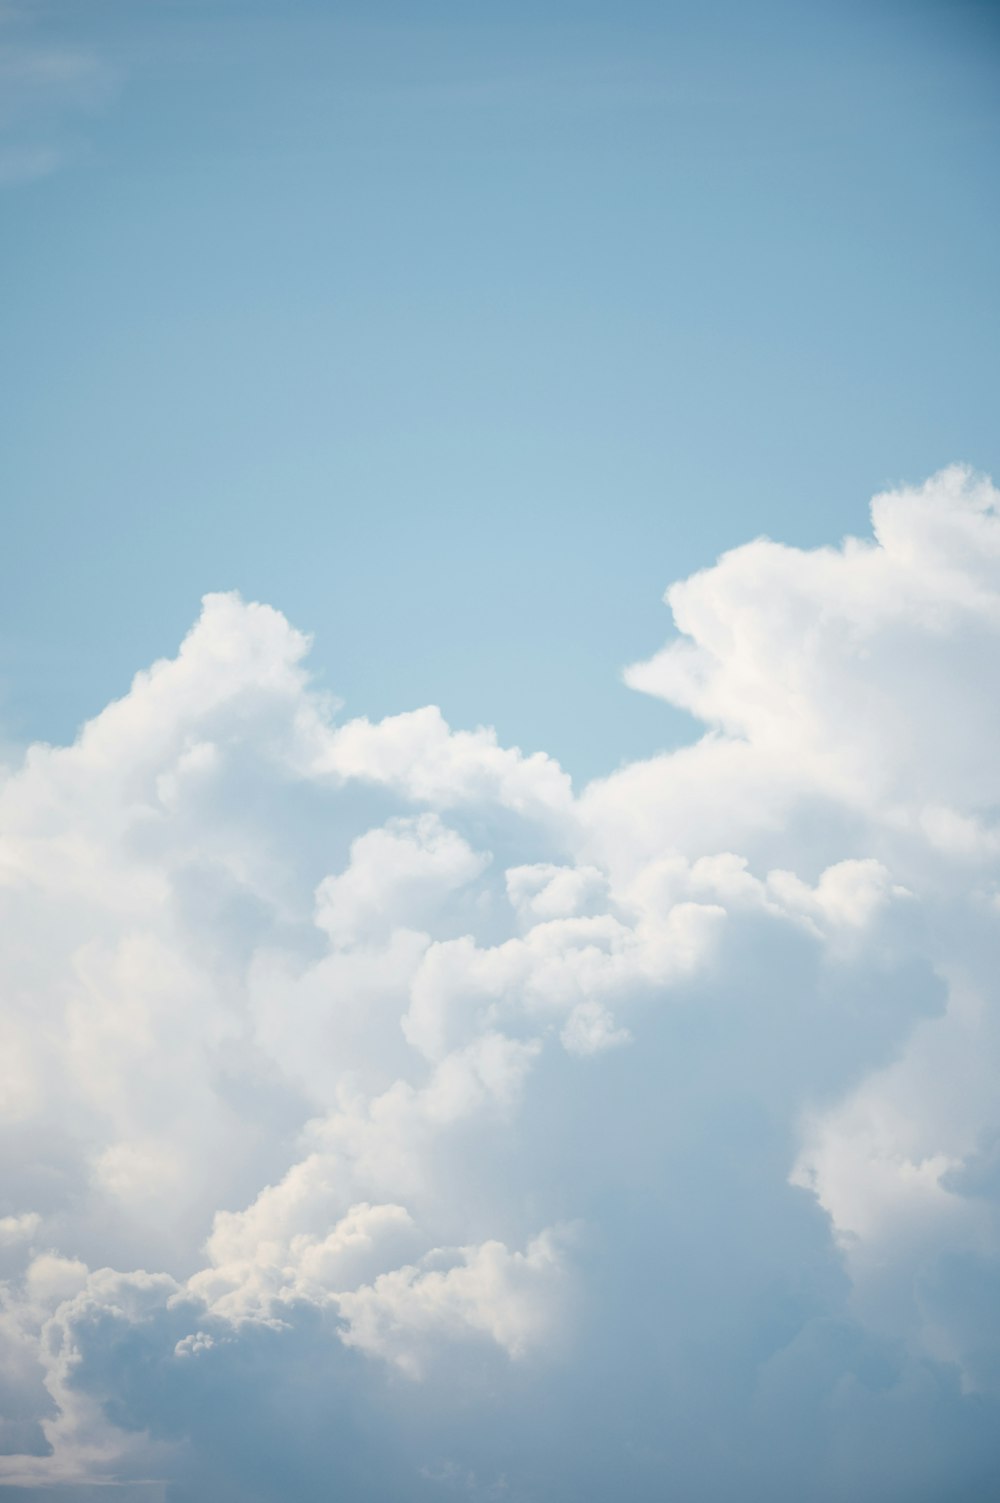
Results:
46 90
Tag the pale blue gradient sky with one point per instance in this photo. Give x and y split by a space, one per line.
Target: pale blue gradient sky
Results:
458 331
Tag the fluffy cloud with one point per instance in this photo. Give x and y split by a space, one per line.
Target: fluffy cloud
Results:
367 1090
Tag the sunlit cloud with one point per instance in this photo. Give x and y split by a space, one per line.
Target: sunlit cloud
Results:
368 1057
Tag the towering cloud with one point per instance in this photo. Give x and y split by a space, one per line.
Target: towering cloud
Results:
383 1119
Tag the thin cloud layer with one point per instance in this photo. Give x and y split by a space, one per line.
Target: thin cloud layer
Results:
381 1118
45 89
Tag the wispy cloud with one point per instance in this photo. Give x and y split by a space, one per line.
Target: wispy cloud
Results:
47 88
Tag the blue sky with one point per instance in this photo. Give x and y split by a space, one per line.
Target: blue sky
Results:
499 711
459 331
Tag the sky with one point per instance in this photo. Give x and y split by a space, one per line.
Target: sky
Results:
499 711
396 314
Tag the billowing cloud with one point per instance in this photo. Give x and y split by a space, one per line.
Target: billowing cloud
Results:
382 1117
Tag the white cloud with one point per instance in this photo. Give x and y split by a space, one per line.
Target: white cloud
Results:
418 755
511 1298
543 890
285 1029
14 1229
815 671
398 877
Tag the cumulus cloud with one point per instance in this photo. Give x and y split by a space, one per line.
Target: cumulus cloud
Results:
380 1113
397 878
